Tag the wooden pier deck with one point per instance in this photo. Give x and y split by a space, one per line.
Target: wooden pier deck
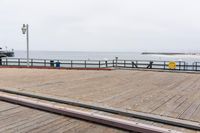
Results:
15 118
174 95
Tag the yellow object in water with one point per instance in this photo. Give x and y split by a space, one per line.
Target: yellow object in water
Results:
172 65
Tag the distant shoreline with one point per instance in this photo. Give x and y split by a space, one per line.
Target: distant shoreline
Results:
157 53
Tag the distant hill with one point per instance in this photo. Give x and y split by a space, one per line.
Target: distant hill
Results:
163 53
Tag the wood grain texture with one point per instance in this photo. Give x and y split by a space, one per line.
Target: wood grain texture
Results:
175 95
23 120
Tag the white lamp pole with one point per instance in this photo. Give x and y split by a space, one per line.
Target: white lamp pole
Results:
25 30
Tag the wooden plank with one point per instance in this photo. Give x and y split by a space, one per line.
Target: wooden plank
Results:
16 121
189 112
51 126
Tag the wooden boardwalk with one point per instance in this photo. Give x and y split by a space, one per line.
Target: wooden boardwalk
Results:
15 118
175 95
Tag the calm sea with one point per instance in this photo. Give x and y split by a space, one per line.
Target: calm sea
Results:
104 56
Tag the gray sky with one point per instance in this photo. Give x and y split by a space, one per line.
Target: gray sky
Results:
102 25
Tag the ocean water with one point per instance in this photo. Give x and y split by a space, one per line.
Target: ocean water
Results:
66 55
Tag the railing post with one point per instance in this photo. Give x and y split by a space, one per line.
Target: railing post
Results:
124 63
6 61
71 63
106 63
31 62
18 62
136 64
99 64
164 65
179 65
45 63
196 66
184 66
85 64
116 58
113 63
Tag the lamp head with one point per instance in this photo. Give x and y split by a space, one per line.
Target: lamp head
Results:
24 28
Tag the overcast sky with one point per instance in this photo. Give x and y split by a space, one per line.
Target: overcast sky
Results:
102 25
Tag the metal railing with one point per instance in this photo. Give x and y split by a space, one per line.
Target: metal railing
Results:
153 64
136 64
57 63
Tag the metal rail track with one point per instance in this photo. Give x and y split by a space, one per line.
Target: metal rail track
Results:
139 115
84 115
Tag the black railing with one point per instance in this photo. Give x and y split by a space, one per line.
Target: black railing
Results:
136 64
144 64
57 63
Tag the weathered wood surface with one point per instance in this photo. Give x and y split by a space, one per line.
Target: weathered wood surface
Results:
170 94
15 118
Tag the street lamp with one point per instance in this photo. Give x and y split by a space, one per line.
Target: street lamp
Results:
25 30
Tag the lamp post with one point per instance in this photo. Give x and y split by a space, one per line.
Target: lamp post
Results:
25 30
